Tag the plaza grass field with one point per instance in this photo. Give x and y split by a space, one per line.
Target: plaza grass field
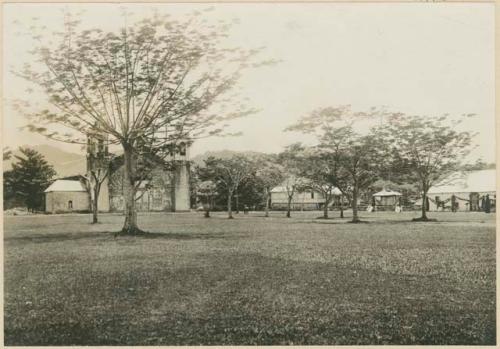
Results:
251 280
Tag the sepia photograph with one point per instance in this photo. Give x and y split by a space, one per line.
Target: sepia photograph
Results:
256 173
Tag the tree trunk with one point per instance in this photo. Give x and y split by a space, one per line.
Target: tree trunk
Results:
237 203
289 207
130 226
424 205
207 209
341 206
229 208
325 209
355 218
268 198
95 206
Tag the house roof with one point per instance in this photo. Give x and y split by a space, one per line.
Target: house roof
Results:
387 193
65 185
335 191
278 190
469 182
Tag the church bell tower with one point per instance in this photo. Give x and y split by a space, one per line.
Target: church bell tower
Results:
181 197
98 159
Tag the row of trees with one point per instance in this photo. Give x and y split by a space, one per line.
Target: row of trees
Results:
355 149
239 180
353 153
161 81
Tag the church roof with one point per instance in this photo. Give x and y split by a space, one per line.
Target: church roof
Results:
470 182
65 185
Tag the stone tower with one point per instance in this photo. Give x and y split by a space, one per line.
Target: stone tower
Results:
98 163
181 200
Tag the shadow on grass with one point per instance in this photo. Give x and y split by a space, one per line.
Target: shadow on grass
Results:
385 222
58 237
55 237
191 236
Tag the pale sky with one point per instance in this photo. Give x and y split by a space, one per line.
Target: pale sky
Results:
417 58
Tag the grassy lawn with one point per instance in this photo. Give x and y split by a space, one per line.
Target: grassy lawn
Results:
251 280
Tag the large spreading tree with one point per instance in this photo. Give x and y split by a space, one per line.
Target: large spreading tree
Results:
293 182
345 159
147 87
270 174
228 175
320 169
207 189
362 161
431 149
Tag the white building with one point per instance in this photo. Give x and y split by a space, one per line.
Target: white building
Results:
302 200
469 189
67 195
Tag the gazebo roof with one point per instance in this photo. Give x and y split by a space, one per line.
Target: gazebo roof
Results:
387 193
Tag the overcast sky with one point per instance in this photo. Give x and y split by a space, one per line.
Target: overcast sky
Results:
418 58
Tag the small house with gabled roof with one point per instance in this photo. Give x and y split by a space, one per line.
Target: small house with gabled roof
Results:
67 195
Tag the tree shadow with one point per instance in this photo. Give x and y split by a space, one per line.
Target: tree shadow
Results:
190 236
111 235
56 237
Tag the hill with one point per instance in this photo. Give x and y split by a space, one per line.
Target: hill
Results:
223 154
65 163
70 164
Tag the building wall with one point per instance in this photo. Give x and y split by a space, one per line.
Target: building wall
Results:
103 200
301 200
182 194
157 196
462 204
57 202
154 199
104 196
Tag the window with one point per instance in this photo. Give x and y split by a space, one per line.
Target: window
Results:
182 149
70 205
101 146
312 195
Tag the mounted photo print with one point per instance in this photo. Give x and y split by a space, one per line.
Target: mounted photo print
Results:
249 173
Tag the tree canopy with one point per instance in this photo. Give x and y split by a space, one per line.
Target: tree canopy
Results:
29 177
228 174
350 159
147 86
430 148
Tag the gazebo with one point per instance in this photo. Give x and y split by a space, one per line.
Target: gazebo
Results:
386 200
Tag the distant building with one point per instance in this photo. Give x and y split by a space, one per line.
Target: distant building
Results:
302 200
468 190
386 200
168 189
67 195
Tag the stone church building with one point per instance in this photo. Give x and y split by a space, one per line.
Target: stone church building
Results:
166 190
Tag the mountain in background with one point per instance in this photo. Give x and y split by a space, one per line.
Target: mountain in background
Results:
65 163
70 164
223 154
